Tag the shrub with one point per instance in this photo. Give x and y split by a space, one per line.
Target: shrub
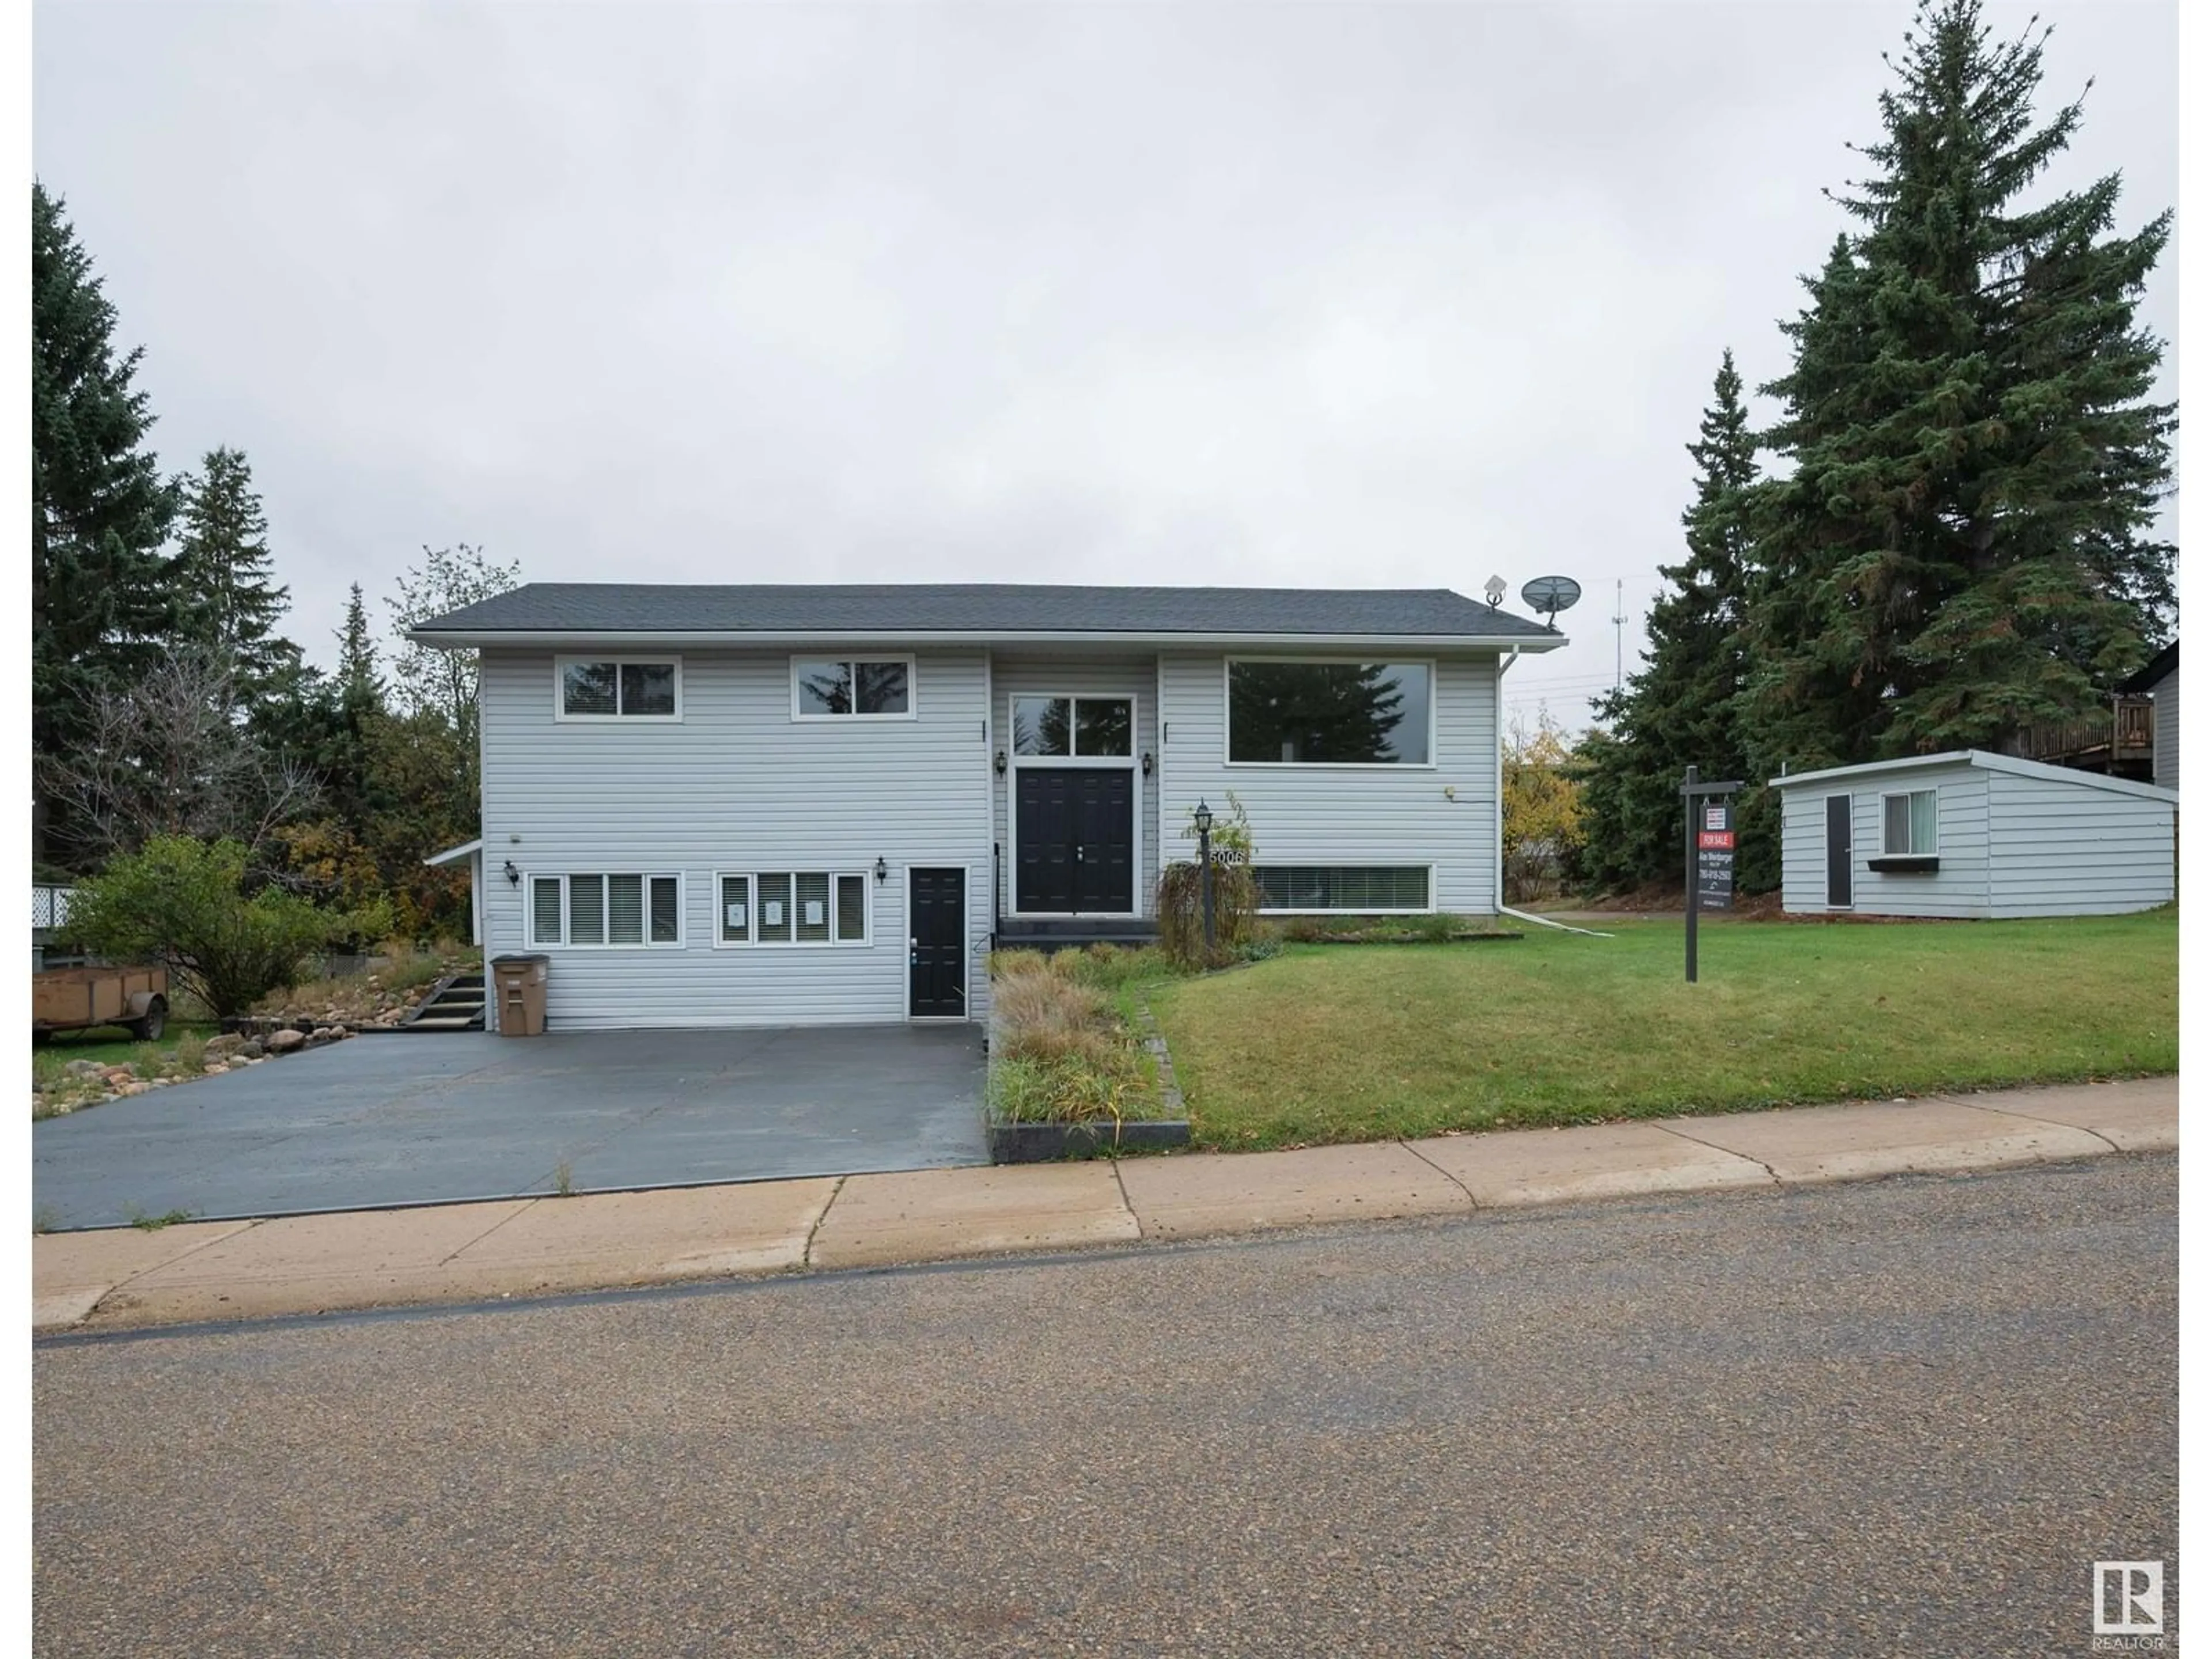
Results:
1180 903
184 903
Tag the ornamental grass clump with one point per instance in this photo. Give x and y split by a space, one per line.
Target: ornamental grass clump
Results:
1061 1053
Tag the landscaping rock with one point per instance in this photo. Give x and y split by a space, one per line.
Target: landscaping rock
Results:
223 1046
83 1068
283 1042
252 1049
118 1075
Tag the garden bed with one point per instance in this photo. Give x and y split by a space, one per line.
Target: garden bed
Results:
1077 1067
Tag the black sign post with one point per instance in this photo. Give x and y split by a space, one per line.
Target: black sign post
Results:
1708 857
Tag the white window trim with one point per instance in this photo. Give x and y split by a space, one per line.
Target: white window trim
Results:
1934 824
1129 759
1428 765
530 908
753 941
1428 910
913 686
559 701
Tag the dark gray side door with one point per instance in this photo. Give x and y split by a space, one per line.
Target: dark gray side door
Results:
1840 852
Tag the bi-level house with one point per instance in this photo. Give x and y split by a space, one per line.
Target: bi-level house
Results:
732 805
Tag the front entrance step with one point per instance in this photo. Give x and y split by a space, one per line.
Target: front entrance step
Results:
1059 933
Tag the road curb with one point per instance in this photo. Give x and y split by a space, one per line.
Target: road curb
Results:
127 1279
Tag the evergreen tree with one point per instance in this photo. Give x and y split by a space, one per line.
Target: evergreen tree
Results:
101 600
1681 708
1962 546
230 604
358 676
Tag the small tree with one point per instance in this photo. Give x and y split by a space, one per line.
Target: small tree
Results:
1542 807
184 903
1181 894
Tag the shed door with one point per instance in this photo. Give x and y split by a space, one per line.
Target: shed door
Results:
1840 852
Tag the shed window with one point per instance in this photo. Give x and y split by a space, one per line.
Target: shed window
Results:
1908 823
618 688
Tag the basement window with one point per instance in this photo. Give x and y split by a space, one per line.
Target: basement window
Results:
1289 888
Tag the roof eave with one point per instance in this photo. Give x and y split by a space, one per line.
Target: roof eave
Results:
502 639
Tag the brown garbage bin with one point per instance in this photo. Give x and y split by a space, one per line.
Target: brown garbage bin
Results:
520 981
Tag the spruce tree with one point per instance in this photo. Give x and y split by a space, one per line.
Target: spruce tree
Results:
101 598
1961 548
230 604
1680 708
358 676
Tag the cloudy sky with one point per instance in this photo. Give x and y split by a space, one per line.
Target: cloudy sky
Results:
1303 294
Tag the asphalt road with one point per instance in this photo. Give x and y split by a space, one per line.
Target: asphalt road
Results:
1899 1418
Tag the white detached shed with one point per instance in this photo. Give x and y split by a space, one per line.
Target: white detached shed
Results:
1974 834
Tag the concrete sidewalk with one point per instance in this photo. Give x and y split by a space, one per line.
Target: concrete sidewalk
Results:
311 1264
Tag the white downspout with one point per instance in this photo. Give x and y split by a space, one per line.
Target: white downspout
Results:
1497 799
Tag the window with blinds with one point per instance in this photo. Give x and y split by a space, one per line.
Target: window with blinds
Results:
633 909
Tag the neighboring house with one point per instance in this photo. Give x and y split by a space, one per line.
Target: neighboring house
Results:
1974 834
2160 680
766 805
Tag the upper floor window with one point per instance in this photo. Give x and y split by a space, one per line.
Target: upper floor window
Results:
619 688
1329 714
851 688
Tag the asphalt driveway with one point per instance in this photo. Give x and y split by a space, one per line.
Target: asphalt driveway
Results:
396 1119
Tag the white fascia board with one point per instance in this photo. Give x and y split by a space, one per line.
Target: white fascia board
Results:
455 854
1988 761
630 640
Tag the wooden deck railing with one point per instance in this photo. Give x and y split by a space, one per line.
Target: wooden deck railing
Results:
2125 734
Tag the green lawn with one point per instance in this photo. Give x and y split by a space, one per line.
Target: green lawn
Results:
1332 1044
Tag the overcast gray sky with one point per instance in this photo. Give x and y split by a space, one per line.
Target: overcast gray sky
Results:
1317 295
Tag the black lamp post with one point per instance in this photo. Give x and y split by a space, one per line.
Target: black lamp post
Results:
1203 820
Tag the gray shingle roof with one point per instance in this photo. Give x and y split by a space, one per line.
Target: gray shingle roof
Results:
981 608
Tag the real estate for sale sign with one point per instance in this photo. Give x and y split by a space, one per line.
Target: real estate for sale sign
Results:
1715 854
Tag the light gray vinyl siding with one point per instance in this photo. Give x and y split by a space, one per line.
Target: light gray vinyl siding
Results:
737 786
1805 847
1360 815
2067 849
1958 886
2166 732
1076 674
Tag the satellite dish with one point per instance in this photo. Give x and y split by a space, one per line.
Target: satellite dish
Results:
1551 595
1494 589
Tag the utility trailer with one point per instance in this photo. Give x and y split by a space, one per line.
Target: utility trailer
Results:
72 998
